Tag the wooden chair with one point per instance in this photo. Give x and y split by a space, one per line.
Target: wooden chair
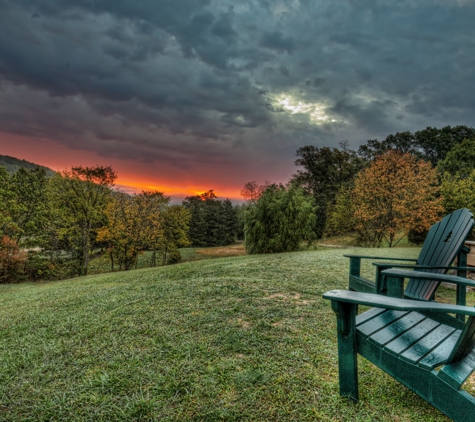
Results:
409 340
444 243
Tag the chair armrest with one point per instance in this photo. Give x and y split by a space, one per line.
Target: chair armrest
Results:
379 301
379 257
422 267
428 276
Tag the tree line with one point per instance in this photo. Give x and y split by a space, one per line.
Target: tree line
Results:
381 192
50 227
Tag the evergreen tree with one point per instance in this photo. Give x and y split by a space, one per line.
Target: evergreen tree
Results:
213 222
229 228
197 232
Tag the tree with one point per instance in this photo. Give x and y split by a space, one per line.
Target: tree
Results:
23 204
252 191
401 141
197 232
213 222
151 206
395 194
175 230
240 210
119 237
134 225
435 144
430 144
29 204
326 171
82 193
458 192
460 160
230 222
140 222
7 225
342 216
281 219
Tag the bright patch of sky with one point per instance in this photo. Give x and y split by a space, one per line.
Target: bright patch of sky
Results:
316 112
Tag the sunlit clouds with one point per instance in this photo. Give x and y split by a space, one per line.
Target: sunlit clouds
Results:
315 112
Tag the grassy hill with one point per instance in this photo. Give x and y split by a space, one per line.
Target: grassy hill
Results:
234 338
13 164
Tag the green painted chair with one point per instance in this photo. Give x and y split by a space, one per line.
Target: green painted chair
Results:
419 343
444 243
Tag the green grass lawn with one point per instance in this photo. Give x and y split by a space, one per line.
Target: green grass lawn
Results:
235 338
100 263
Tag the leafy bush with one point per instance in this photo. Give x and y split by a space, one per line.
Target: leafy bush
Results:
173 257
12 261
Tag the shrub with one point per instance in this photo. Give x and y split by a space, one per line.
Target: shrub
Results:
12 261
173 257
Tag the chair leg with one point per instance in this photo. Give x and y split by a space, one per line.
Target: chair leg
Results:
347 353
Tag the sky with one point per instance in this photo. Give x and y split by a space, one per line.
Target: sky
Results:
183 96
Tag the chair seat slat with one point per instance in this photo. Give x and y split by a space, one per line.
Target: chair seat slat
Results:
396 329
411 338
365 316
376 324
441 353
418 351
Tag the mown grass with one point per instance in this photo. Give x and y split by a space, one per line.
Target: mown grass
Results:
244 338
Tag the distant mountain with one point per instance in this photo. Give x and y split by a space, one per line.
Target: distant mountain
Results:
12 165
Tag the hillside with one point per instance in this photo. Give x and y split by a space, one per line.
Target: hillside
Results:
235 338
12 165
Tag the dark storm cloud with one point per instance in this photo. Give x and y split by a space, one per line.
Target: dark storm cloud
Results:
277 41
208 81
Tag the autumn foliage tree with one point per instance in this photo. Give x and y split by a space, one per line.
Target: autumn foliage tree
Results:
141 222
134 225
397 193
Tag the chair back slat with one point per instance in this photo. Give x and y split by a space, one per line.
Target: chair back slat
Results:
441 247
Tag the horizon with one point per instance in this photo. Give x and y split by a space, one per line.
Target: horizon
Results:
131 186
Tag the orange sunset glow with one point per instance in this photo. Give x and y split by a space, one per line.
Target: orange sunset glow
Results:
132 177
131 183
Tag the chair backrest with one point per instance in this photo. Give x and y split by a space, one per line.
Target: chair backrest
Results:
441 247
